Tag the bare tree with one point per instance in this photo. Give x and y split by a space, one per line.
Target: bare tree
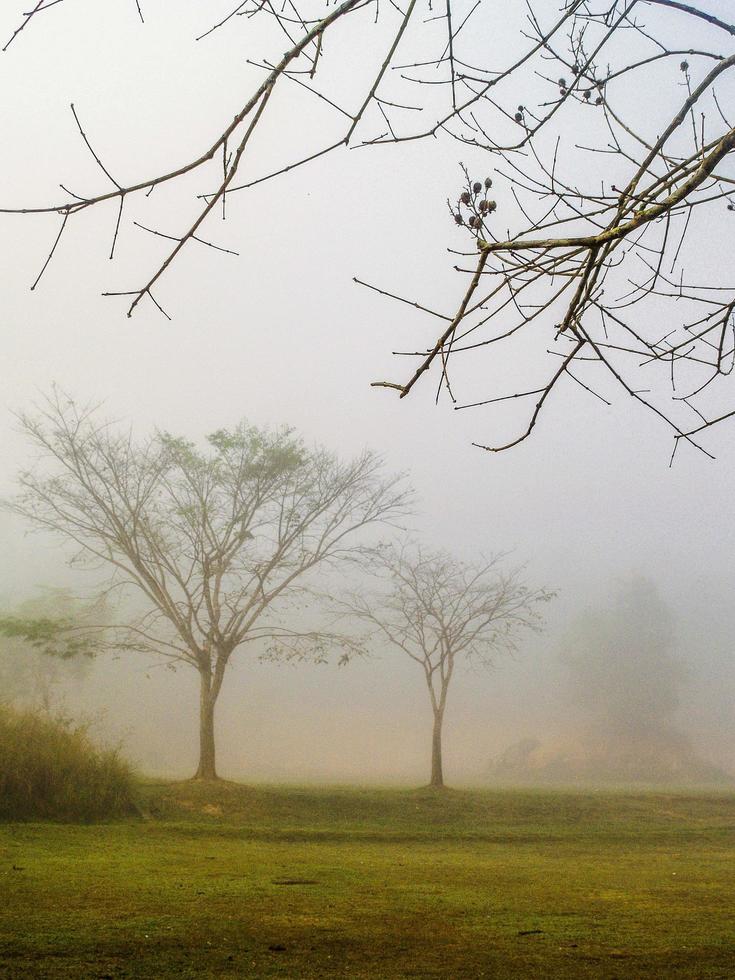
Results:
214 542
439 611
606 143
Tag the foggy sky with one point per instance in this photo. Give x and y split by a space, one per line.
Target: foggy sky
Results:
282 335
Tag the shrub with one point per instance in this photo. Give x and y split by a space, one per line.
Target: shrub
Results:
51 769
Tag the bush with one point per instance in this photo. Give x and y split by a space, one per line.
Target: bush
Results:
51 769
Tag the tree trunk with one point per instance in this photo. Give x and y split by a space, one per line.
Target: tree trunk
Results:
437 773
207 699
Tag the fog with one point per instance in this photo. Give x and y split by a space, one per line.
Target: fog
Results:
622 672
282 335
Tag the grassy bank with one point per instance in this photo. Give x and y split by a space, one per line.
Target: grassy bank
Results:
347 883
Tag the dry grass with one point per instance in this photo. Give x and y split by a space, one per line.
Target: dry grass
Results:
51 769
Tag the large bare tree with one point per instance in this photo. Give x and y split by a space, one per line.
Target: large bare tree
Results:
440 611
592 227
214 541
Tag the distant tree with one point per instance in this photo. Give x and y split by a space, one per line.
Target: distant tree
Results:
624 683
623 672
45 643
212 540
439 611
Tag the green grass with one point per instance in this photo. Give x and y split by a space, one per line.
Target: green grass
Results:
305 883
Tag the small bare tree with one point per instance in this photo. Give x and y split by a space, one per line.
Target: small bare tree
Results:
438 611
211 540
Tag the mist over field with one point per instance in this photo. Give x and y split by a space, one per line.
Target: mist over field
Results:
587 504
369 721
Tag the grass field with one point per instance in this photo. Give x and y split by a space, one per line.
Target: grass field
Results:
304 883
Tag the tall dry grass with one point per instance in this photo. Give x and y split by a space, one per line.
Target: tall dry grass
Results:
50 769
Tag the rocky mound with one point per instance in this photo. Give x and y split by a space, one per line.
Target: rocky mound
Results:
653 758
